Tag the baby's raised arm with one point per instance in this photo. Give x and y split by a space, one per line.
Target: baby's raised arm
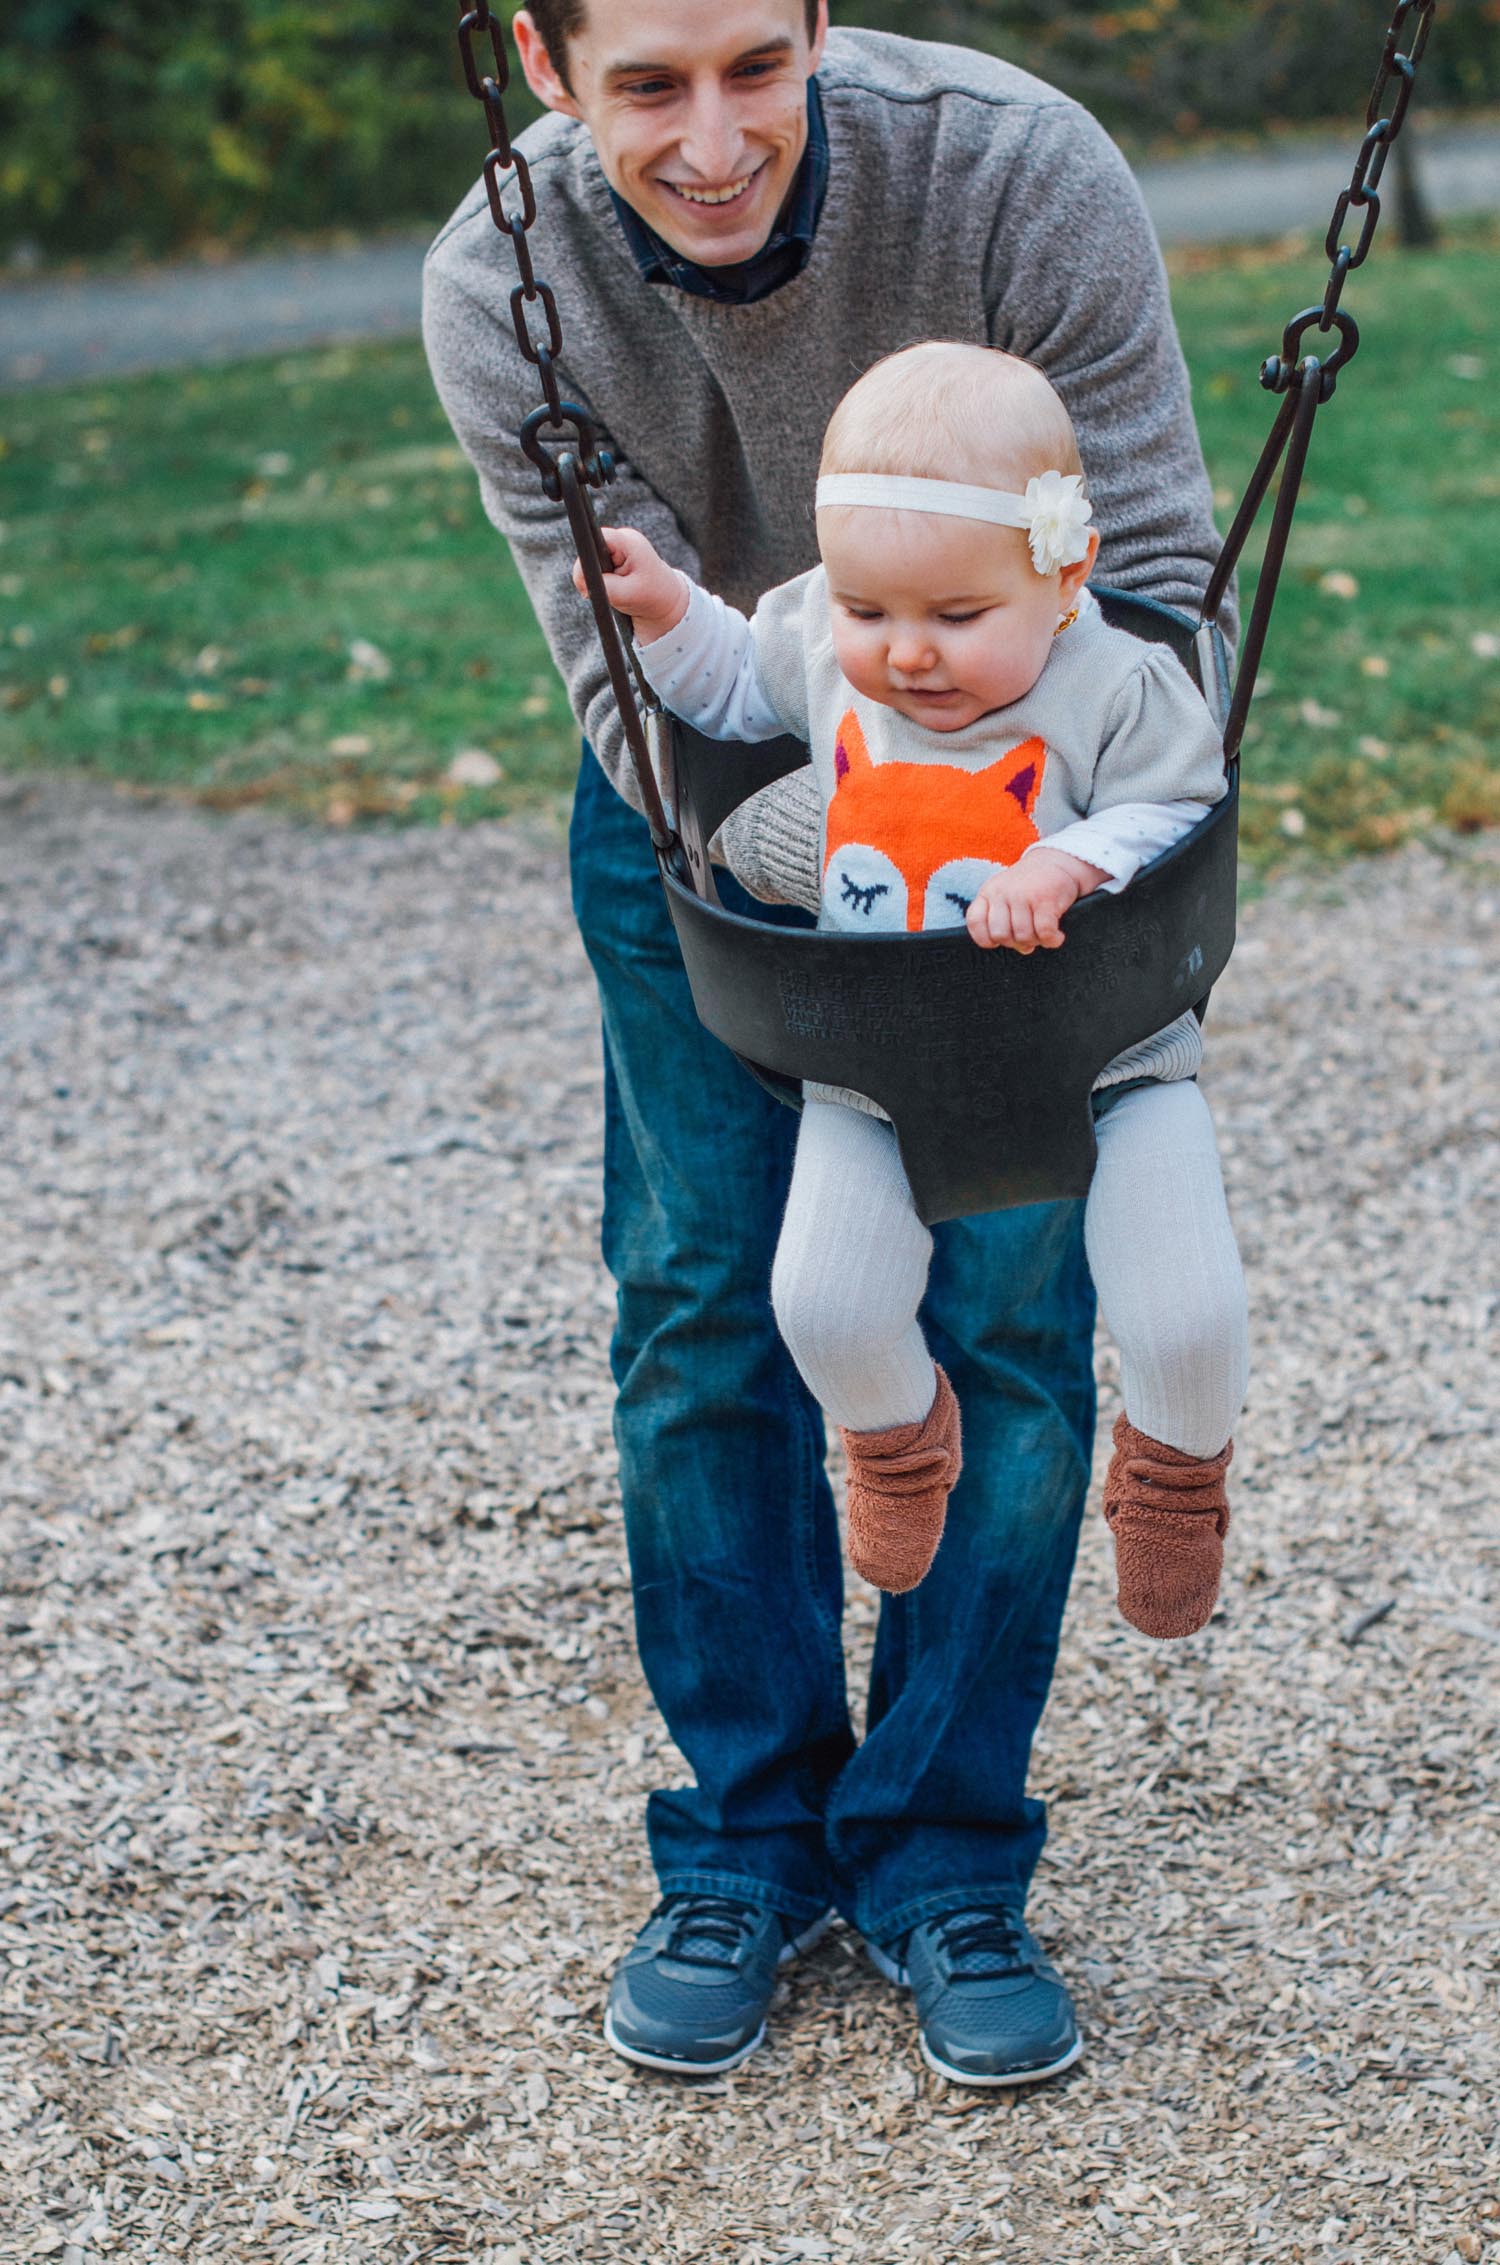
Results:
640 584
696 651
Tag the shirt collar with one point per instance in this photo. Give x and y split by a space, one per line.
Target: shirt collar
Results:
784 253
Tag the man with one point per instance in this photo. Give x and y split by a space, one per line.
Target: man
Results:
738 213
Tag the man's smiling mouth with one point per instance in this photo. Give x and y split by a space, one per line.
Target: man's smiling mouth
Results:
714 196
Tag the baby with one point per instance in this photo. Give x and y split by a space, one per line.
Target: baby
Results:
988 751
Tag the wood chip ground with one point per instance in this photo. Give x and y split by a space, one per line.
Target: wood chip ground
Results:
324 1744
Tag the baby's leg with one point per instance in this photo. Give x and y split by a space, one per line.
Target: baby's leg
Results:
851 1267
1172 1293
1164 1262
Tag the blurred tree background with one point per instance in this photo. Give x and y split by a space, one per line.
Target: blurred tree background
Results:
146 127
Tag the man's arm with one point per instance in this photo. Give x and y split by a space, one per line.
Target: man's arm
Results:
487 389
1074 281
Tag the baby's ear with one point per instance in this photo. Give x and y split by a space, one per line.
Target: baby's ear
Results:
1073 577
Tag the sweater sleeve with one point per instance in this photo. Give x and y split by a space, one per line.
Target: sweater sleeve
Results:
1121 839
1074 281
487 390
1160 744
705 670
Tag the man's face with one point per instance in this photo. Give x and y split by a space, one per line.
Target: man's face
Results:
697 108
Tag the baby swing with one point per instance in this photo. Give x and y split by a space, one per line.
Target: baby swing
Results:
983 1060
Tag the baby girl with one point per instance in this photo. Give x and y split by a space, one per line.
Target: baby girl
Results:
949 635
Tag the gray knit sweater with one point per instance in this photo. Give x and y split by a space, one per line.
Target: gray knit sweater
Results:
966 200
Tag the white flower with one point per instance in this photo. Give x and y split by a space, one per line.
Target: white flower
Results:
1060 515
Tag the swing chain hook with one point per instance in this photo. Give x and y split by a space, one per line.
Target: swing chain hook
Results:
570 459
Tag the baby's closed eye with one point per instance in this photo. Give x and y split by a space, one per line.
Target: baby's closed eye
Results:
863 899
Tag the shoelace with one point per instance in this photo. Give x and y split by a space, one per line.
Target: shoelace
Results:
982 1942
708 1930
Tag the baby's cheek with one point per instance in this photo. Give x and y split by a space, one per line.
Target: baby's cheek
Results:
860 659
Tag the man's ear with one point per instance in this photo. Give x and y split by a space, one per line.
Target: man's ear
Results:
542 75
820 35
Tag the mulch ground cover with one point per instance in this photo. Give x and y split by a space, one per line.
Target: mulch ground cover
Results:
323 1746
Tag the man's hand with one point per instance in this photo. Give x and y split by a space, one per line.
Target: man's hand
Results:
642 584
1022 906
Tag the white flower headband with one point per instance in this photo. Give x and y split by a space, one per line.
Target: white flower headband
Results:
1054 511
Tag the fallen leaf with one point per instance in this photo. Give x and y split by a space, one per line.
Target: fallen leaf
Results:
367 663
473 766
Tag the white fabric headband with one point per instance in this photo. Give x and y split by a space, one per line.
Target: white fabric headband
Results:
1054 510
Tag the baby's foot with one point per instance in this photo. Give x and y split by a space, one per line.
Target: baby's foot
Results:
1169 1515
899 1484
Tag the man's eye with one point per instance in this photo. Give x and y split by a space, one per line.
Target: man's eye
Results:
757 70
644 90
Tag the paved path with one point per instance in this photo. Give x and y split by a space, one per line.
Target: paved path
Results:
56 332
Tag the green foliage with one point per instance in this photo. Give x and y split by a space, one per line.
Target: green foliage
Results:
153 126
222 120
1163 66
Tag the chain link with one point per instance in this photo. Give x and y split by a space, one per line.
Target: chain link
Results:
1362 196
1306 381
559 436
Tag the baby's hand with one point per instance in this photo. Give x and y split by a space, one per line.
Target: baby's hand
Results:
1022 906
641 584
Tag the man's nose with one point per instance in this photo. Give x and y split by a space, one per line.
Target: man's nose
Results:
710 142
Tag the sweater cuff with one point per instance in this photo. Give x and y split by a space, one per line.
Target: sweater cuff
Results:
771 842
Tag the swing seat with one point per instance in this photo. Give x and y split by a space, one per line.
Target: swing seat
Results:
983 1060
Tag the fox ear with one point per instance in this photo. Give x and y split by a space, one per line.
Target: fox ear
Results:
1021 773
850 752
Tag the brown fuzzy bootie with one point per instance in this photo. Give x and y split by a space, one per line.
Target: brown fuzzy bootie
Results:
899 1484
1169 1515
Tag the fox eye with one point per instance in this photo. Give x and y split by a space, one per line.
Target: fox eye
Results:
951 896
863 899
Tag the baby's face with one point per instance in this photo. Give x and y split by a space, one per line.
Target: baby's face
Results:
941 619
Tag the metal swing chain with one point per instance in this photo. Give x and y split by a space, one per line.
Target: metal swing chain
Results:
1307 381
572 463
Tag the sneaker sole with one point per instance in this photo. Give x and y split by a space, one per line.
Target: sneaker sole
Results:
884 1964
1012 2076
670 2067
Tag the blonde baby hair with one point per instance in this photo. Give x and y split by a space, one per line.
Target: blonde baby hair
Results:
945 411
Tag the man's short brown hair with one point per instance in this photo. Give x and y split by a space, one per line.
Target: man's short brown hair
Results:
558 20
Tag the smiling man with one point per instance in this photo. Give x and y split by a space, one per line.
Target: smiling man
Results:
739 212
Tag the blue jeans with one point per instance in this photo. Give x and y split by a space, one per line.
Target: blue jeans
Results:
731 1528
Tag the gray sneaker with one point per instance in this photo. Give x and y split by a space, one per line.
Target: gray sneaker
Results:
691 1993
991 2009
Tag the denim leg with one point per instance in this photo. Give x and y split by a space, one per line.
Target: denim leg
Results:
733 1540
932 1812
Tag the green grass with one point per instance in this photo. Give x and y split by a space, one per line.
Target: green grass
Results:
1380 701
190 567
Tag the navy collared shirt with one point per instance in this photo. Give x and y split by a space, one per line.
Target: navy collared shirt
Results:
783 254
